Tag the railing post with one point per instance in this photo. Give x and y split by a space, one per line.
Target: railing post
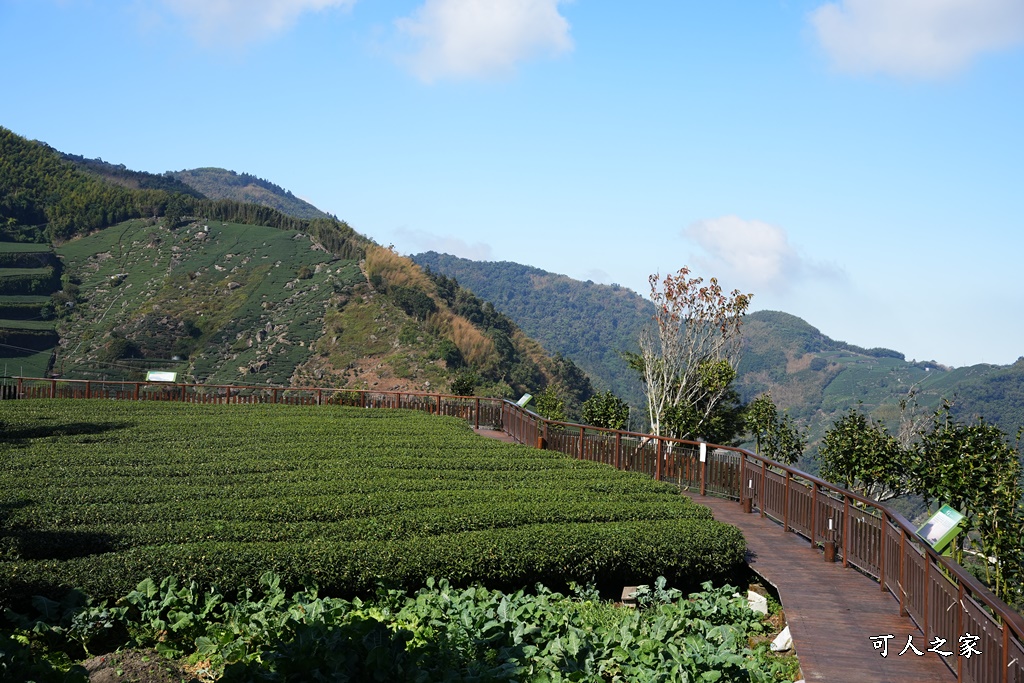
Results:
53 388
319 397
274 394
703 459
362 398
476 418
881 555
764 483
814 515
227 394
582 436
657 461
846 530
902 585
1006 653
618 448
927 581
960 629
88 389
785 503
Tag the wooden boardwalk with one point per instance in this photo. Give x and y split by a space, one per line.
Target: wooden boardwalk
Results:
832 612
494 434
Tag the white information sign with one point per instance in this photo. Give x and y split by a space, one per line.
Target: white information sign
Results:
159 376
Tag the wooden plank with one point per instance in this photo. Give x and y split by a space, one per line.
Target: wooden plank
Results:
832 612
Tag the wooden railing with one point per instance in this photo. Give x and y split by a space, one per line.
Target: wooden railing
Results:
942 598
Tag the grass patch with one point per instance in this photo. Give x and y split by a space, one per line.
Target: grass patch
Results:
27 324
23 272
24 248
31 364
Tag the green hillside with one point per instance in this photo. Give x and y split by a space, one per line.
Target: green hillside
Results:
217 302
228 291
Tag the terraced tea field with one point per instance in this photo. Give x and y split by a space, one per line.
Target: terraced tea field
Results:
29 273
102 494
213 301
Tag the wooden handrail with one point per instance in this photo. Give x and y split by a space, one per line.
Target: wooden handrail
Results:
1009 619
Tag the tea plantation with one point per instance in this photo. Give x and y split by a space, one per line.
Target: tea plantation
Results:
101 495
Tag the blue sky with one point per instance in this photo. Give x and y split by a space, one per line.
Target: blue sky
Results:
858 163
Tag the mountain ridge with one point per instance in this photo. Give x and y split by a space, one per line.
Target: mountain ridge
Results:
153 274
811 375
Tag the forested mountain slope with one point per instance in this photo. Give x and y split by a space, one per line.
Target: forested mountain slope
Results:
814 377
218 183
590 323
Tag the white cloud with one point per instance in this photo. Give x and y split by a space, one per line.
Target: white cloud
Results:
597 275
751 252
482 38
244 21
444 244
916 38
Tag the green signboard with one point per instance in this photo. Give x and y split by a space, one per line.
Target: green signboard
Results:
941 528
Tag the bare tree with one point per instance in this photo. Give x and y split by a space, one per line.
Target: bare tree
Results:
688 357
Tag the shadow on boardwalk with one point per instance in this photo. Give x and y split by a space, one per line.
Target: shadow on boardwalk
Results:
832 612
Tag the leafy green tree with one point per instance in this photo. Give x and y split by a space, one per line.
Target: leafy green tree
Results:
464 383
723 425
860 454
972 468
174 213
606 410
549 405
775 434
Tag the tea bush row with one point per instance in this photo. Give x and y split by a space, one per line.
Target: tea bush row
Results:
99 494
685 551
